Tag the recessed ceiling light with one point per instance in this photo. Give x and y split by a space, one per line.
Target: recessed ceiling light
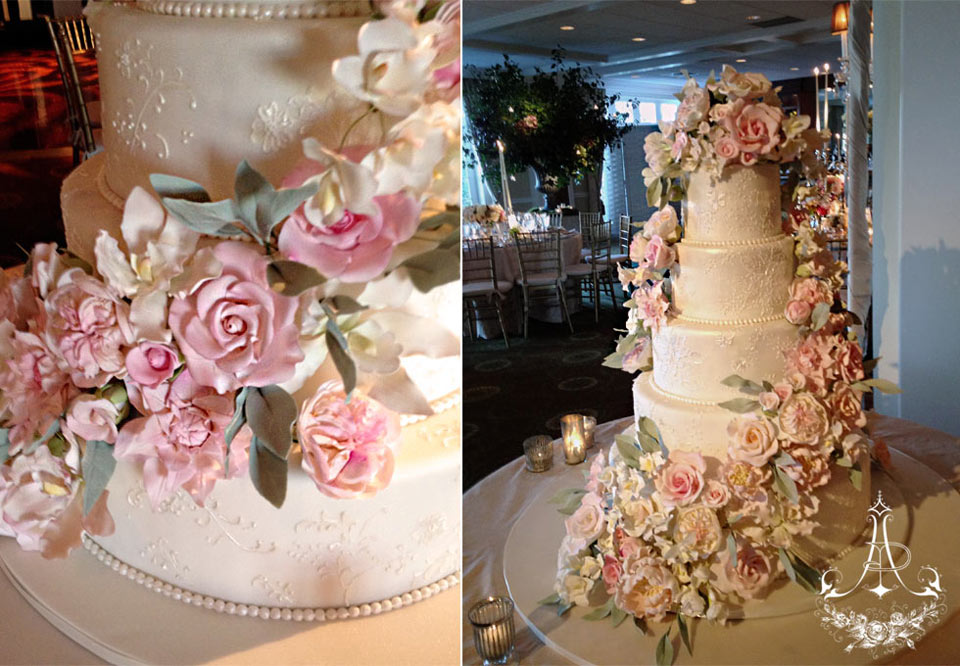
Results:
741 59
688 2
639 39
753 17
567 27
634 76
794 69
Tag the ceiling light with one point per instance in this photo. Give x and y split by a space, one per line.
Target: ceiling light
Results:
840 19
741 59
753 17
567 27
634 76
794 69
688 2
639 39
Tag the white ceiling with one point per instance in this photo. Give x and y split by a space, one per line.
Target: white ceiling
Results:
699 38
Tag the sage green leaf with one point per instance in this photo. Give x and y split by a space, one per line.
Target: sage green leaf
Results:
174 187
787 565
434 268
784 459
97 466
336 345
617 616
344 305
809 577
549 601
600 613
628 451
4 445
614 360
882 385
569 500
820 316
213 218
870 364
856 476
740 405
268 473
440 219
291 278
665 650
235 424
284 202
648 426
745 385
844 461
767 386
654 193
785 485
270 411
732 548
251 190
684 632
563 608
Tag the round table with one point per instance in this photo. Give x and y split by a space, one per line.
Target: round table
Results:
491 507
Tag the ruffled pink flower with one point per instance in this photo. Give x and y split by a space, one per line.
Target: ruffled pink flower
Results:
812 358
803 419
34 389
680 141
750 578
92 418
744 480
754 127
812 469
659 254
611 572
234 330
347 446
181 445
358 246
652 305
640 356
811 291
680 480
638 248
649 592
87 326
586 523
846 406
150 363
42 506
850 361
693 108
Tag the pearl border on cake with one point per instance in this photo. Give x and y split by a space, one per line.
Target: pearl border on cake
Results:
256 10
266 612
731 322
749 242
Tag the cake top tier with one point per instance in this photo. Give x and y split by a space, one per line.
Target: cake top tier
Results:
741 205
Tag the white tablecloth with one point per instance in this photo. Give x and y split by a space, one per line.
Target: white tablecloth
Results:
492 506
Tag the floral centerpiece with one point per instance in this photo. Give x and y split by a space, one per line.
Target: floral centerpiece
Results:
485 214
180 349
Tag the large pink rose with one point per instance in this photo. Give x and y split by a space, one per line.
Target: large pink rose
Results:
797 312
42 506
681 479
150 363
659 254
234 330
87 326
754 127
751 576
182 445
354 248
754 440
347 446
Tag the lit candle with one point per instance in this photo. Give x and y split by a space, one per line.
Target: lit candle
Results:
574 439
826 95
816 94
538 451
504 183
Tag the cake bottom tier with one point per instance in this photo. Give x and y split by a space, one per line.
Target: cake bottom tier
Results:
702 427
313 552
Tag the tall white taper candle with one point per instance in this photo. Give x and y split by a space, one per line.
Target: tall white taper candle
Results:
816 94
503 178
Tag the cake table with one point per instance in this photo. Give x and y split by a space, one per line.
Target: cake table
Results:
494 505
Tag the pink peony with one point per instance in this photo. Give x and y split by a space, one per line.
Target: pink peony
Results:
812 470
754 127
150 363
649 592
234 330
87 326
92 418
811 291
846 406
803 419
751 576
754 440
659 254
812 359
347 446
358 245
638 248
850 361
680 480
652 305
744 480
693 108
41 504
181 444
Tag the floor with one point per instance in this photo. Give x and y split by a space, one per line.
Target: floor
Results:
35 153
511 394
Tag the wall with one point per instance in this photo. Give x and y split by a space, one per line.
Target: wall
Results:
916 274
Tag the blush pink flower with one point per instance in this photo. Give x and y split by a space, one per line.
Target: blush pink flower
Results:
638 248
750 578
649 592
640 356
345 231
652 305
680 142
850 361
803 419
748 159
91 418
811 291
42 506
846 406
347 446
181 444
693 108
610 573
769 400
234 330
744 480
663 223
87 326
754 127
754 440
797 312
812 359
715 494
680 480
726 149
150 363
588 522
659 254
812 469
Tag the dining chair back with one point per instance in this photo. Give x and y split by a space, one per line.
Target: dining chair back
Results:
481 288
541 271
69 35
479 262
588 218
556 219
626 233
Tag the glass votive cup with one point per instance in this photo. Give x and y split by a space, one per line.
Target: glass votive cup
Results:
538 451
574 439
589 427
493 631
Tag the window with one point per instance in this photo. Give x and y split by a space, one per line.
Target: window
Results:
648 113
668 111
625 107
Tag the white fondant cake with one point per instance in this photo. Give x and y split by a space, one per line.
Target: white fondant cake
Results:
191 89
730 290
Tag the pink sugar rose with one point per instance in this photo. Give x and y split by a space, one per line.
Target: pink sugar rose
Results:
783 390
611 572
649 592
234 330
42 506
91 418
754 440
652 305
803 419
640 357
693 108
715 494
798 312
638 248
347 446
659 254
754 127
87 326
34 389
750 578
680 480
726 149
769 400
748 159
811 291
345 231
587 523
150 363
181 444
846 406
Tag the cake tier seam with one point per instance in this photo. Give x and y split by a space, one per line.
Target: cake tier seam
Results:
254 10
266 612
679 398
750 242
730 322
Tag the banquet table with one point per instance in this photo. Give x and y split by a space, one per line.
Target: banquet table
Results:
508 270
491 507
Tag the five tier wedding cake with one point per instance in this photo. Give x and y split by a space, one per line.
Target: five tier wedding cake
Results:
238 385
748 458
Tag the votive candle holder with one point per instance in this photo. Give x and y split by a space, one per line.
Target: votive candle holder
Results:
574 439
493 630
538 451
589 428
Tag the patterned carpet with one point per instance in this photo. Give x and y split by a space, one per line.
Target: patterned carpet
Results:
511 394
